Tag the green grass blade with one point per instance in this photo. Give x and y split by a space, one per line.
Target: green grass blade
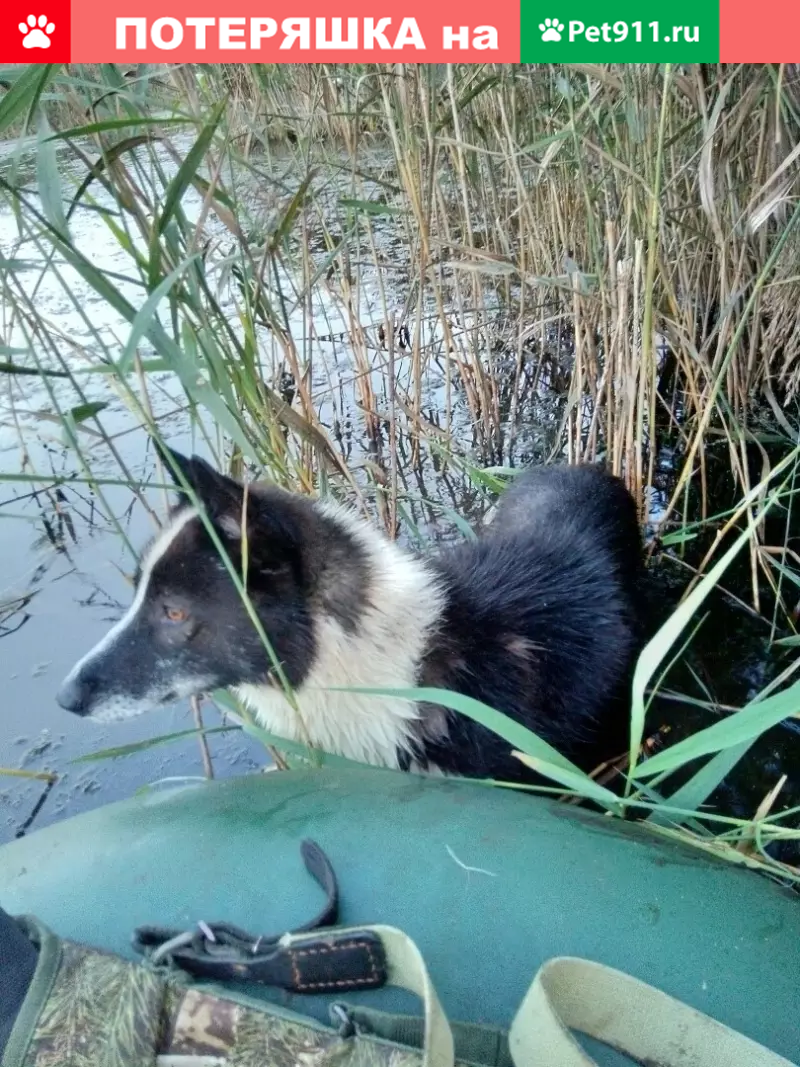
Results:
188 169
143 321
576 783
82 412
23 96
741 726
517 736
694 793
118 124
110 153
460 523
658 647
315 756
148 366
186 175
285 225
489 82
150 742
14 368
49 180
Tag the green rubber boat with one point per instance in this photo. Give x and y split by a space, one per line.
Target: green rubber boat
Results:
489 883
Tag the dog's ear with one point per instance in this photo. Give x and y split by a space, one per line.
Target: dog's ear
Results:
224 501
222 497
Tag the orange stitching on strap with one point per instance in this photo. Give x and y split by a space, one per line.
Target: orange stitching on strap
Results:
330 951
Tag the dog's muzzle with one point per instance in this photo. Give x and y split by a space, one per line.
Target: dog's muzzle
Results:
75 695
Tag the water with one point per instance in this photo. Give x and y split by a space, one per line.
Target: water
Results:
64 565
64 568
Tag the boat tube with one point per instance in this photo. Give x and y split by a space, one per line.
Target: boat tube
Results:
489 883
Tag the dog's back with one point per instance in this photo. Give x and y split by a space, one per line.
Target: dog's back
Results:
544 617
551 502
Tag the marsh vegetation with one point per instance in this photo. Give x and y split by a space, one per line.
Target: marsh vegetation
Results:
401 284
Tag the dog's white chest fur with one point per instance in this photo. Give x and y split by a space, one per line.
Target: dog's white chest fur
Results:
401 607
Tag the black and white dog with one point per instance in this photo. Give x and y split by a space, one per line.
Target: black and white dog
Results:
540 618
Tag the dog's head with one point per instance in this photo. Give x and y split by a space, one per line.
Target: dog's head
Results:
188 629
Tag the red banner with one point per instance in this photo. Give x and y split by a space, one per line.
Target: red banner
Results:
205 31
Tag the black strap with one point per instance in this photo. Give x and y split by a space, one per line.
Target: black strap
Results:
331 963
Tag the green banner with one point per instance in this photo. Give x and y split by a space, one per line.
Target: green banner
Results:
620 31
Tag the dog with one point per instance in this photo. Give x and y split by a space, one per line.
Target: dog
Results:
539 617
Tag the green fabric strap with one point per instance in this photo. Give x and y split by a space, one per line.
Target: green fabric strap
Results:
47 965
407 970
574 994
475 1043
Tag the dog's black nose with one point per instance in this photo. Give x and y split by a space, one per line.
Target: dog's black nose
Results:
74 694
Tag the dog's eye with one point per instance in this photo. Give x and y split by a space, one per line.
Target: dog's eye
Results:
175 614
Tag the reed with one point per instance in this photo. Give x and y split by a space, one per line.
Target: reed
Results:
399 283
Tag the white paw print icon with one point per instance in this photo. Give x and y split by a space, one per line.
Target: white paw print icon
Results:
551 29
36 36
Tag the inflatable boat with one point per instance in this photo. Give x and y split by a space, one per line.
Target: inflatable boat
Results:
489 883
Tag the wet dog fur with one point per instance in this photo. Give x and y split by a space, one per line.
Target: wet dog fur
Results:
539 617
